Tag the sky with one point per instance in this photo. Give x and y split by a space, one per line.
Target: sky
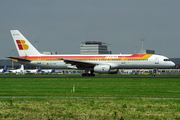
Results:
62 25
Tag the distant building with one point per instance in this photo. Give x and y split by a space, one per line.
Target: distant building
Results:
94 47
147 52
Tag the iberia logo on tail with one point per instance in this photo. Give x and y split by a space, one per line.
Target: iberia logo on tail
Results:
22 45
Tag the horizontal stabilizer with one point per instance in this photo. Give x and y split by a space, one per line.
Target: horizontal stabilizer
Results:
19 59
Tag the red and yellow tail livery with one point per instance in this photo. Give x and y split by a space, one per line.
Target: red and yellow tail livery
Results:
22 45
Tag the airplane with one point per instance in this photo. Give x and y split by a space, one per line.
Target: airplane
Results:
48 71
35 71
102 64
18 71
4 70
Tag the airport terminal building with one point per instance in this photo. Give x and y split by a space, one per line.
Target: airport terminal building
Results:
94 48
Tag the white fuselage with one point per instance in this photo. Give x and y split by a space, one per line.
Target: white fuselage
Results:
155 61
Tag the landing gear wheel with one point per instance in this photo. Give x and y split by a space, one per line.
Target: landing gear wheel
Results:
83 75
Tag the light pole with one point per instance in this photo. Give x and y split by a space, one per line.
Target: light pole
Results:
36 43
142 43
12 59
135 49
109 48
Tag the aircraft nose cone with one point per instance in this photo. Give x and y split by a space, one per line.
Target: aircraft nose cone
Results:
172 64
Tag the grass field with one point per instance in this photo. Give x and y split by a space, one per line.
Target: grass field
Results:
55 107
89 108
111 87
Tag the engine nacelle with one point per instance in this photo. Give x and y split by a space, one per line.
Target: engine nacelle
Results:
102 69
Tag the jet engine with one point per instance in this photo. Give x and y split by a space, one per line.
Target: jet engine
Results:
102 69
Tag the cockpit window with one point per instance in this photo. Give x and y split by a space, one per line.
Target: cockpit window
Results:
166 60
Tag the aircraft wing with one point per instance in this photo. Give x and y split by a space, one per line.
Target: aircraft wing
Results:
19 59
79 63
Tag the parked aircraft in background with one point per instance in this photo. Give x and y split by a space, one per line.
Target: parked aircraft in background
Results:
35 71
29 55
47 71
4 69
18 71
22 71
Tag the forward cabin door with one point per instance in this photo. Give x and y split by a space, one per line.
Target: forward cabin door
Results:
157 61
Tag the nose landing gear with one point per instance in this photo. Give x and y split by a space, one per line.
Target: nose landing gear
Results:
154 72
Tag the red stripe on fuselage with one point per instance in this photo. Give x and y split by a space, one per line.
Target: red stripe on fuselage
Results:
134 56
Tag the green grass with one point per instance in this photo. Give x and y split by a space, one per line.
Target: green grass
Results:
54 106
95 87
80 109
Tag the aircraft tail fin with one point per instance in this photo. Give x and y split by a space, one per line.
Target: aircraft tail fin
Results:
39 70
23 46
5 69
22 67
53 71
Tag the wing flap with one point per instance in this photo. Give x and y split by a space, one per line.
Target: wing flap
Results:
79 63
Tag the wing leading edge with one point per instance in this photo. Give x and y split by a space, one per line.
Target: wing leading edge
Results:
79 63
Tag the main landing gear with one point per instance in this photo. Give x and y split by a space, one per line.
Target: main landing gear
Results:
88 74
154 72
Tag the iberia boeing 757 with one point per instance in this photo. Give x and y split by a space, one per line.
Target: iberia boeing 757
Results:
29 55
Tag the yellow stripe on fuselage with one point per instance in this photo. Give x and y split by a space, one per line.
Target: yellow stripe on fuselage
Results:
146 56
